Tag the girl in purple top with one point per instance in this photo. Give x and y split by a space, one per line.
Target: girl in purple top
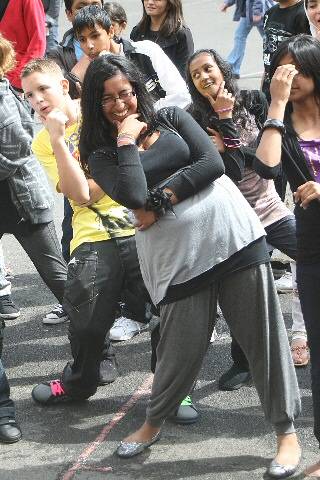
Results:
291 137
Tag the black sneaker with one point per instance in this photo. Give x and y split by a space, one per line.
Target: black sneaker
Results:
234 378
49 393
108 371
8 309
55 316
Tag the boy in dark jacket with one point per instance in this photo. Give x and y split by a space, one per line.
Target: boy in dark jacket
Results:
94 29
68 55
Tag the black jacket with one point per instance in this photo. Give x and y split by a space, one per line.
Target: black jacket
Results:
64 55
235 159
178 46
297 172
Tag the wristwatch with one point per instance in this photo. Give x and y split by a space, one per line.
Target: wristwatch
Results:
274 123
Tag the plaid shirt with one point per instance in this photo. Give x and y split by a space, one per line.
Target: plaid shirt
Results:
28 184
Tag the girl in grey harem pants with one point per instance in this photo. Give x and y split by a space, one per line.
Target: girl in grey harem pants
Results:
250 305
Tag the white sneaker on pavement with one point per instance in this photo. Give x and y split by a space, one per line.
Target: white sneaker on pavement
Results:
56 316
125 328
284 283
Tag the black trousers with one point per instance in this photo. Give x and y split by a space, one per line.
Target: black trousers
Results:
280 235
98 273
308 280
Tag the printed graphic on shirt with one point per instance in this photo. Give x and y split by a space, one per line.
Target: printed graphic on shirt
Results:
273 36
108 220
279 25
114 218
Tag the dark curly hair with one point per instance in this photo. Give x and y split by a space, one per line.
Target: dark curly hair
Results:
201 109
96 130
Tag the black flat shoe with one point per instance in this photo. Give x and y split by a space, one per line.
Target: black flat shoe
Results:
234 378
9 430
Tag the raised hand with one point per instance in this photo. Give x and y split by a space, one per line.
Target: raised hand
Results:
223 103
132 126
281 83
55 123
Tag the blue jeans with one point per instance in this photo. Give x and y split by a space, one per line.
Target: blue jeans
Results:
308 280
235 57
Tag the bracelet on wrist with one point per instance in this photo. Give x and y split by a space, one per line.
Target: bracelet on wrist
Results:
126 134
124 138
224 110
158 201
274 123
125 141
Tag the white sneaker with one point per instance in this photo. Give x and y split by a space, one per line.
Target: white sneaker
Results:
56 316
284 283
125 328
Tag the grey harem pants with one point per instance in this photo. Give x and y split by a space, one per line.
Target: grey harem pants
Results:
250 305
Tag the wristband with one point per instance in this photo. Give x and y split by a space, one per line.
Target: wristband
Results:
126 134
223 110
158 201
274 123
125 139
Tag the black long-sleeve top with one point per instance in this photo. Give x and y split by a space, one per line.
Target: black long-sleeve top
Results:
179 46
125 174
297 172
236 159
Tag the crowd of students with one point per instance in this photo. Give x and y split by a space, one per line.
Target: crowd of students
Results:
153 146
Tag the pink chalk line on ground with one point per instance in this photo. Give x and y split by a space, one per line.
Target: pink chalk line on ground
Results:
80 463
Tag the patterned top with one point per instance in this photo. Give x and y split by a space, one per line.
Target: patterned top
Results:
105 219
311 150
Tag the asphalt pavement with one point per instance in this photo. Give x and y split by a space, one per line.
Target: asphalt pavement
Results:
77 441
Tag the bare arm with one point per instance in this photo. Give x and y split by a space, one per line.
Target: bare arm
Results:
95 192
73 182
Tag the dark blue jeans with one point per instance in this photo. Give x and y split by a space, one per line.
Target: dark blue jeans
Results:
308 280
280 235
98 274
7 408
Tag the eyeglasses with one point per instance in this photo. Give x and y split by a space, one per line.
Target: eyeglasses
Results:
123 96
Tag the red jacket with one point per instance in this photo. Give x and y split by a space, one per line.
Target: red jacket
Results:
23 24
